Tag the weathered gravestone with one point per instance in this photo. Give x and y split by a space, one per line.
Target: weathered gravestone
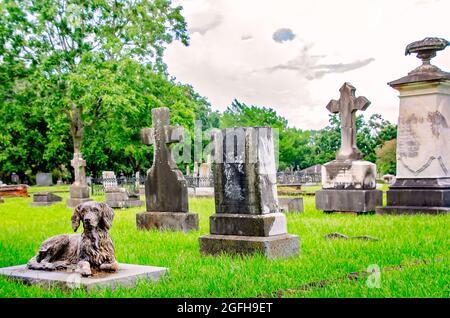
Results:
44 179
348 183
166 190
291 204
79 190
247 218
45 199
423 137
118 197
82 260
15 179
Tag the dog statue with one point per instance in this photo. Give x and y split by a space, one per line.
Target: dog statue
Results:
91 250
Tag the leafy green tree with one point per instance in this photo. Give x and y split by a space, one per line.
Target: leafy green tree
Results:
386 157
76 47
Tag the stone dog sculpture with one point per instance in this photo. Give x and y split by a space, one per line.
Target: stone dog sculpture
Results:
93 250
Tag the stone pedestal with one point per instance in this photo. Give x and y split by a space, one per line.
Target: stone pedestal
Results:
78 195
247 219
166 191
423 142
418 196
348 186
358 201
45 199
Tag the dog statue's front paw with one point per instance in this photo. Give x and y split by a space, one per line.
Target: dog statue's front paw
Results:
84 268
109 267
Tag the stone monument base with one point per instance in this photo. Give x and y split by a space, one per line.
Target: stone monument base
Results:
74 202
333 200
78 195
127 276
173 221
277 246
416 196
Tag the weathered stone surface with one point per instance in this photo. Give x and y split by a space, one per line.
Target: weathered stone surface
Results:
411 210
167 221
166 190
349 174
348 200
245 177
122 200
44 179
247 218
165 186
45 199
278 246
248 225
423 146
336 235
348 182
291 204
126 276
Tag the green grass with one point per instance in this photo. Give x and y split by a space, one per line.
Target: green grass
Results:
403 240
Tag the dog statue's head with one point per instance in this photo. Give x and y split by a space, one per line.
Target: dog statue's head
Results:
93 215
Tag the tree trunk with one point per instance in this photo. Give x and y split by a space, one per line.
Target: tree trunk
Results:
76 128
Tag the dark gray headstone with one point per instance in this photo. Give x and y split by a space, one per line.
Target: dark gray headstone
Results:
166 191
247 218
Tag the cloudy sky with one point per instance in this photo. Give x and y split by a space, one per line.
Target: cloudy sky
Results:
293 55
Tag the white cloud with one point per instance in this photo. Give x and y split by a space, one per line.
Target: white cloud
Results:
361 42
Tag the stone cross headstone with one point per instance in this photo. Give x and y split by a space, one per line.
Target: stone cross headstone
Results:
346 107
422 182
247 219
348 183
79 190
166 190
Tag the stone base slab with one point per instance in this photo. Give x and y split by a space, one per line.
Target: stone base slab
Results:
79 192
74 202
279 246
348 200
173 221
248 225
127 276
419 197
411 210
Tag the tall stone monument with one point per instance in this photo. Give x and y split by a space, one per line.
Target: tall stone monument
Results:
79 190
348 183
166 190
247 218
423 137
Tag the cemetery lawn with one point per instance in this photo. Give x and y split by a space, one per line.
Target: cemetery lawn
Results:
412 253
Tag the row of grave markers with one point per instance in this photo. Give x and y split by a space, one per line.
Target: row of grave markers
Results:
247 215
